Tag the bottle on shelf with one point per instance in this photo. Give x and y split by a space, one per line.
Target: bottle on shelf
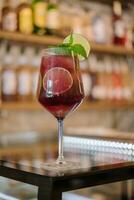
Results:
25 17
126 80
9 16
129 37
101 88
0 84
1 7
24 76
87 82
99 33
39 16
108 77
94 77
35 73
9 78
119 30
53 18
3 48
86 77
117 81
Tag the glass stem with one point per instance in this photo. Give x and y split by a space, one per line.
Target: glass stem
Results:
60 159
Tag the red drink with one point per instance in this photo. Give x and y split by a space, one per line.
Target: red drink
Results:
60 86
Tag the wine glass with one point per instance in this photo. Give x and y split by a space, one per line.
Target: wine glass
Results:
60 90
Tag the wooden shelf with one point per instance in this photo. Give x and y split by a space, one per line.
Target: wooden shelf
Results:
85 106
53 40
111 49
42 40
104 105
20 105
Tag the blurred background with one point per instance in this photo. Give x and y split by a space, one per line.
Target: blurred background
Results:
26 28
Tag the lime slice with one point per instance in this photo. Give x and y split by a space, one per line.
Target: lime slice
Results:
78 39
57 81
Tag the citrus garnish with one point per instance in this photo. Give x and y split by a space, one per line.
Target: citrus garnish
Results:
78 44
57 81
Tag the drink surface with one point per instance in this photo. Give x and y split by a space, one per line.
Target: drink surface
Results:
60 88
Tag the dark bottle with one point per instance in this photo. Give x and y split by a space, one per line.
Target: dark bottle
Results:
119 37
39 16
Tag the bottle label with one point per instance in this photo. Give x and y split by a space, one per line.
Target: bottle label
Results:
119 28
25 21
10 22
53 19
9 82
24 82
40 14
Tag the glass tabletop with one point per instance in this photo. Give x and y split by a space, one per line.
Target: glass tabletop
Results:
90 155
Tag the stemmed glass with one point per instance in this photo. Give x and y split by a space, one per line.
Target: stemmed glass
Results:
60 90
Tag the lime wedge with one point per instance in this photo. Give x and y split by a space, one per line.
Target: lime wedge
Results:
78 39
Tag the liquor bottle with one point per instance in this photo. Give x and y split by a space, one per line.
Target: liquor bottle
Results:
108 78
9 79
0 82
101 92
39 16
119 30
94 77
117 81
1 7
25 17
126 80
87 83
35 73
9 16
53 18
24 89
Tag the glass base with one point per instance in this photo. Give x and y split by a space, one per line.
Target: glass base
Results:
62 166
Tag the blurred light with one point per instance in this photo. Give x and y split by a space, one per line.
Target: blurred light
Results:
102 145
6 197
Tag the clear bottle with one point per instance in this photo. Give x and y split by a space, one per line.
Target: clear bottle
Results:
9 79
24 77
9 16
25 17
39 16
117 81
126 80
119 37
101 80
108 78
35 73
3 48
53 18
94 77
